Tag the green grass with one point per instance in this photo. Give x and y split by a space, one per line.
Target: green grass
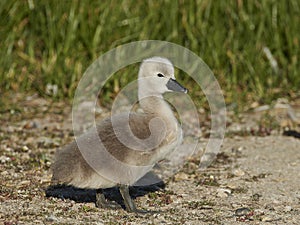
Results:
54 42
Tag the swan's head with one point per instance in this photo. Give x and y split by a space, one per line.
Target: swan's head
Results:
156 76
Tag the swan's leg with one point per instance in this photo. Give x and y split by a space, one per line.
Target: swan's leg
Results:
129 203
101 202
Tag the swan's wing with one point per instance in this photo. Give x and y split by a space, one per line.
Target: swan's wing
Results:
101 150
130 138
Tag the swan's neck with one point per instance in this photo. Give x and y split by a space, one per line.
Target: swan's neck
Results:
157 106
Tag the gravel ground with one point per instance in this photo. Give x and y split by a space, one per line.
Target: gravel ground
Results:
254 180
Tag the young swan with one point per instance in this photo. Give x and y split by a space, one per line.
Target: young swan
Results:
123 148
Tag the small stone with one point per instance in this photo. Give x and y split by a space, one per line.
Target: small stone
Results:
52 218
25 148
4 159
10 129
51 89
4 173
181 176
254 105
223 192
231 186
24 183
256 197
45 180
262 108
240 149
238 172
242 211
266 219
47 142
8 149
269 207
30 125
287 208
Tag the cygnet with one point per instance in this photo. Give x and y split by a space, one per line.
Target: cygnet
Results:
122 148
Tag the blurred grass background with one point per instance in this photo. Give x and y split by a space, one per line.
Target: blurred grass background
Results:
251 46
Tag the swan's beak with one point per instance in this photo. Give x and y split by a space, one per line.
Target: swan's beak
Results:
173 85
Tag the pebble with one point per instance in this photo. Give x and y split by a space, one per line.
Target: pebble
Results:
238 172
47 142
232 186
242 211
269 207
4 159
266 219
10 129
181 176
287 208
24 183
52 218
262 108
30 125
256 197
25 148
223 192
4 173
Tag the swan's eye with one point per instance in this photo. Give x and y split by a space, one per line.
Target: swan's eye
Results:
160 75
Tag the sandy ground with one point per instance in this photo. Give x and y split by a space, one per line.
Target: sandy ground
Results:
254 180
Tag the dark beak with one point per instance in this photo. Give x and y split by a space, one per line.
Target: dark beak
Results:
173 85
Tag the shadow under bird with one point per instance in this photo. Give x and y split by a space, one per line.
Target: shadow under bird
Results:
122 148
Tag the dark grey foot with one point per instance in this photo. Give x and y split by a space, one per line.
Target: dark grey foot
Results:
129 203
101 202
